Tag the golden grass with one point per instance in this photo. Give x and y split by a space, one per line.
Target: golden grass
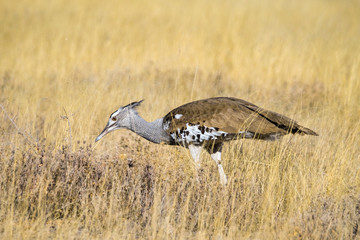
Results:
66 65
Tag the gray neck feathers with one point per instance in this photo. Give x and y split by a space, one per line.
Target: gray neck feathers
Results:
152 131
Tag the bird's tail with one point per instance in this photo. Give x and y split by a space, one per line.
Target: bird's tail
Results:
303 130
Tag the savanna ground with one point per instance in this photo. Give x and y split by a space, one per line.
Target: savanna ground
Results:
66 65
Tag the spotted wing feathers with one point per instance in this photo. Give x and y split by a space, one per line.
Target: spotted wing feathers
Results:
231 116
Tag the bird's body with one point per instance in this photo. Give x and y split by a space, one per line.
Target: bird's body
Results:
207 124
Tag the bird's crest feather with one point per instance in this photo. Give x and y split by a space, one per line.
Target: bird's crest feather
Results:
134 104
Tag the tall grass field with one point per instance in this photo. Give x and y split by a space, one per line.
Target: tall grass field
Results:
65 66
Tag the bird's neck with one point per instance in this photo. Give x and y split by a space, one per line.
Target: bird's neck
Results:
152 131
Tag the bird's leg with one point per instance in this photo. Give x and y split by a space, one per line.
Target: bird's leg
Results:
215 153
195 152
217 158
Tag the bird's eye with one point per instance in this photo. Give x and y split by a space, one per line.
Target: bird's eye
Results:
113 118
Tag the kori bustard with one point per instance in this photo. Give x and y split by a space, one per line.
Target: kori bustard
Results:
206 124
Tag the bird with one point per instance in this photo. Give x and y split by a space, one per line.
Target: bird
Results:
206 124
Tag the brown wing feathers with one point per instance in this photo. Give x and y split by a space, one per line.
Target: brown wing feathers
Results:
282 121
232 115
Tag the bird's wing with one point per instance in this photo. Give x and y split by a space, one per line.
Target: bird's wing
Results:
281 121
229 115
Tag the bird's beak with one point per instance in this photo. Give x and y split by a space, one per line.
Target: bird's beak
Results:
106 130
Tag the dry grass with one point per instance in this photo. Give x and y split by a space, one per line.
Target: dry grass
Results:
66 65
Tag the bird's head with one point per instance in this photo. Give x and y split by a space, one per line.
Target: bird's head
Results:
121 118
